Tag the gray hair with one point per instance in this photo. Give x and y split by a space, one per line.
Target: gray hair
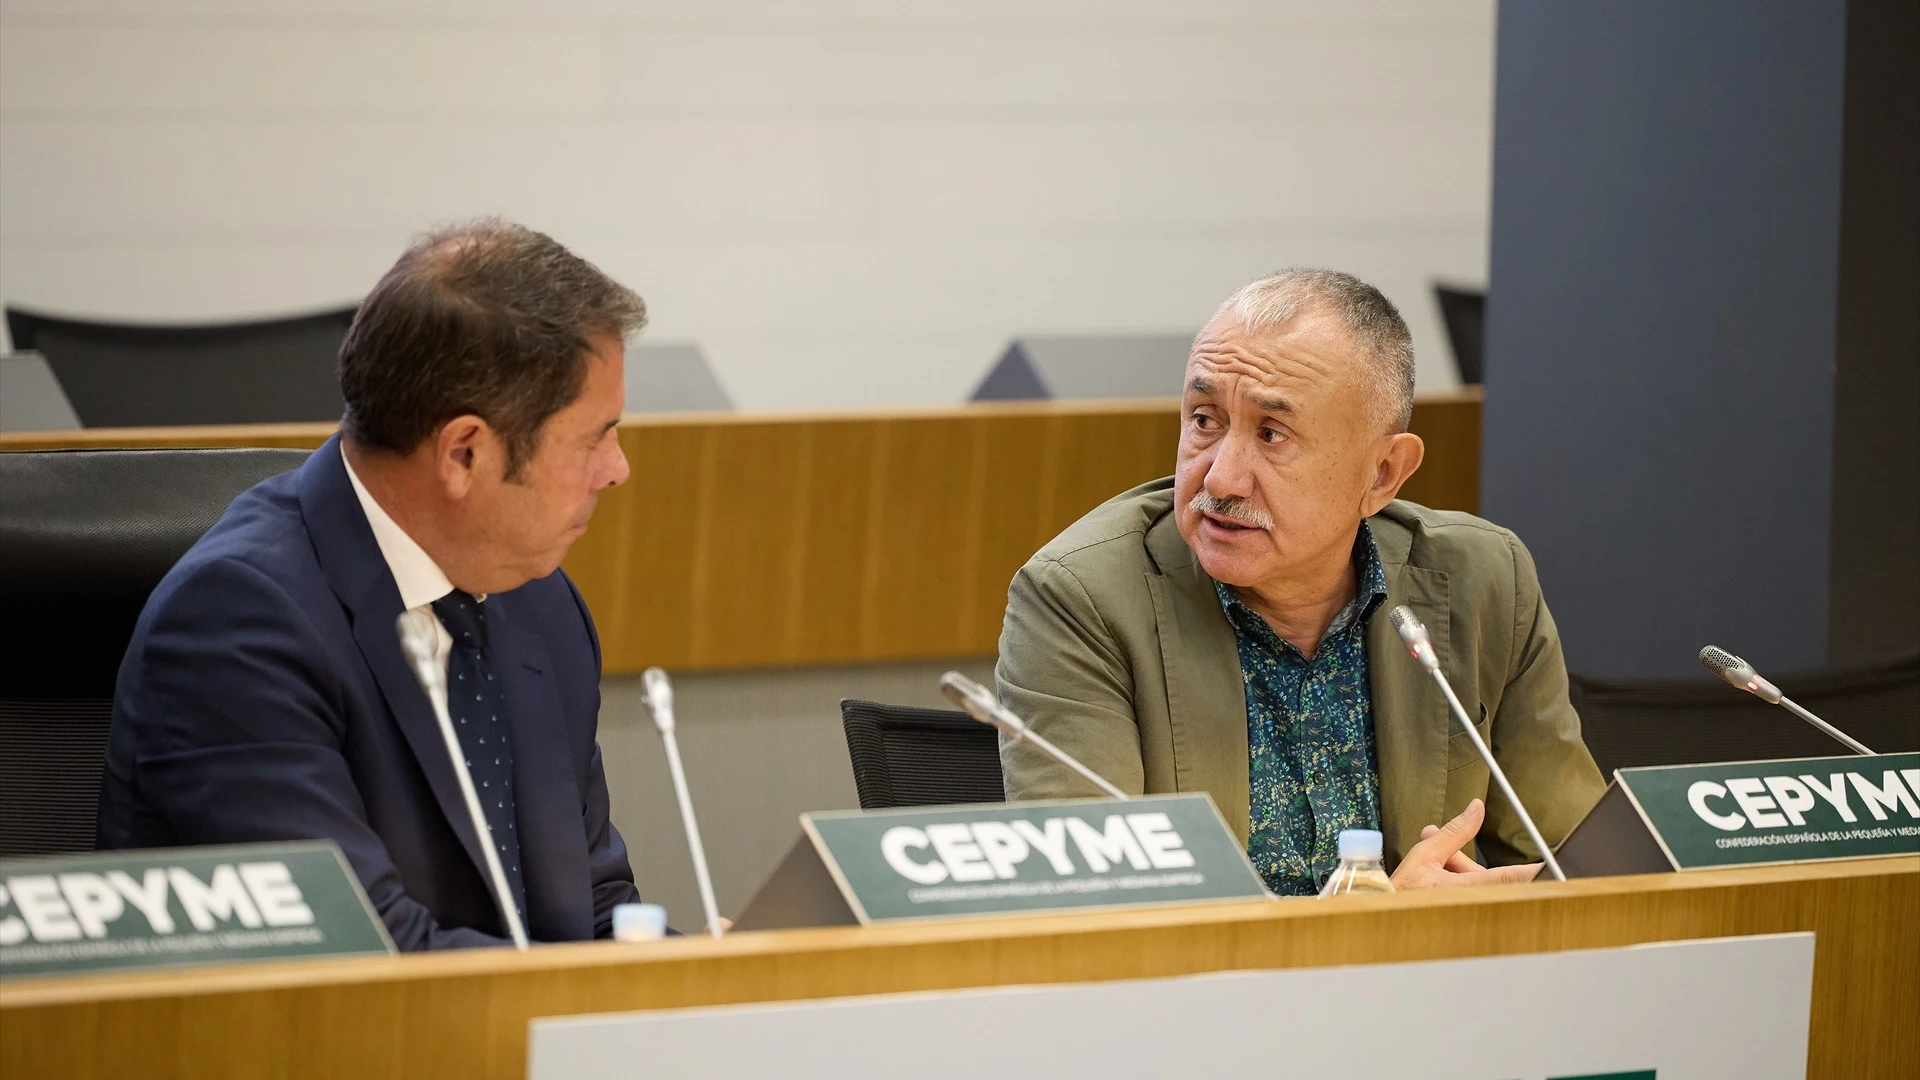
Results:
1371 319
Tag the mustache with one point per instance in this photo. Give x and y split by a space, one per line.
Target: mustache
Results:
1237 508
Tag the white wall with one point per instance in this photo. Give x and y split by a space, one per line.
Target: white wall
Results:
847 202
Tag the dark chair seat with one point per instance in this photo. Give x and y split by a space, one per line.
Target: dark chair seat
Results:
904 756
85 535
1629 724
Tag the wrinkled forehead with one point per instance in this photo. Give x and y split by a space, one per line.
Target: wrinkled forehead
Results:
1306 357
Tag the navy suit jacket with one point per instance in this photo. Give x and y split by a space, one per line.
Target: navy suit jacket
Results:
264 697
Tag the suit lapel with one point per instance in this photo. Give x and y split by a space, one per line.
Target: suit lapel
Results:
358 574
1206 697
1410 719
553 846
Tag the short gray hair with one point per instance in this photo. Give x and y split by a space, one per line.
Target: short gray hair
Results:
1372 320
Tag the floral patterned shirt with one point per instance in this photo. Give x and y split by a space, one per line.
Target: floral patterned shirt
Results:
1312 767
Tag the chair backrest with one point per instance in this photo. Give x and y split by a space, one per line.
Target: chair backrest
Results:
904 756
85 535
1465 313
1682 723
130 375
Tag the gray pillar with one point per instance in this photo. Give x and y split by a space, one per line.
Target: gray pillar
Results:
1703 327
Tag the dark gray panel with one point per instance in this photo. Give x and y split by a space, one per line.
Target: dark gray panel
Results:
1661 322
147 375
1012 379
671 378
1095 366
31 398
1875 610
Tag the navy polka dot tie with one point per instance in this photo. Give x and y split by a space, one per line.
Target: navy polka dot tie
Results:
473 700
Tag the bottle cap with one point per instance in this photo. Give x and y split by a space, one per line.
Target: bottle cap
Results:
1360 844
639 922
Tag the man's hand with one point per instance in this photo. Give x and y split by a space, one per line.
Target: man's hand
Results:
1436 861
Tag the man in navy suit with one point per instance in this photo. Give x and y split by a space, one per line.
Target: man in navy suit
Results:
265 696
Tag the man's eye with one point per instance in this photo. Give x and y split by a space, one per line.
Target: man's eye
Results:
1272 435
1203 421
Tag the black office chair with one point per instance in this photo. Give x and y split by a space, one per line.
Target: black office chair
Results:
85 535
1465 313
130 375
1629 724
904 756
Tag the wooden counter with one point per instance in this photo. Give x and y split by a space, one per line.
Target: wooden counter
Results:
466 1014
747 540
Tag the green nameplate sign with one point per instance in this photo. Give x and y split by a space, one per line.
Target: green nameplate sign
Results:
68 914
1749 813
1001 858
1753 812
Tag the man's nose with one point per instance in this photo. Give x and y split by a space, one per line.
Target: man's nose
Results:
617 470
1231 473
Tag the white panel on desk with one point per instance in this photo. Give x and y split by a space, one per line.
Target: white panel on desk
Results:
1693 1010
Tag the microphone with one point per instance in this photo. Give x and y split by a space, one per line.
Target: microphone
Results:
1741 674
416 641
658 695
980 704
1421 646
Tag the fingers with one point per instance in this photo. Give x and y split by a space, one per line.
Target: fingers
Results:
1458 862
1466 826
1505 875
1439 845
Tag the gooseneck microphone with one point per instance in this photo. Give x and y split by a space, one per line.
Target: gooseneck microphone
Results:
1418 643
1741 674
416 641
982 705
658 694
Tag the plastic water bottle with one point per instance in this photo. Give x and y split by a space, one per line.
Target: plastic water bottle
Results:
639 922
1360 870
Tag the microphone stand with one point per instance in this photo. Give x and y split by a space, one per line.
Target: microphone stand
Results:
1415 635
1741 674
659 699
416 641
980 704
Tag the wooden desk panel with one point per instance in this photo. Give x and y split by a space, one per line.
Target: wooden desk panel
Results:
747 540
466 1014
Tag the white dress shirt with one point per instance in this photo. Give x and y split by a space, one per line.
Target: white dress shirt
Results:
420 579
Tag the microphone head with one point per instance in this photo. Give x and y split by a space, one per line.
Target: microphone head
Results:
657 689
416 644
1739 673
416 636
978 702
1411 631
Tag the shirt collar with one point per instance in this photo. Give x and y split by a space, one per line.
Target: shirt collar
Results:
420 579
1367 598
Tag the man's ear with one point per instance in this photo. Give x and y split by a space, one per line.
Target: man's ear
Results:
459 450
1394 462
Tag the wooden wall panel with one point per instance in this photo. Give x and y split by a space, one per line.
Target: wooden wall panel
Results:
757 540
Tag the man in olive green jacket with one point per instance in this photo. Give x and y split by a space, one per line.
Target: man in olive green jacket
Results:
1118 645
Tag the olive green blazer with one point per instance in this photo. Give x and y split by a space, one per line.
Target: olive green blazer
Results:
1116 649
